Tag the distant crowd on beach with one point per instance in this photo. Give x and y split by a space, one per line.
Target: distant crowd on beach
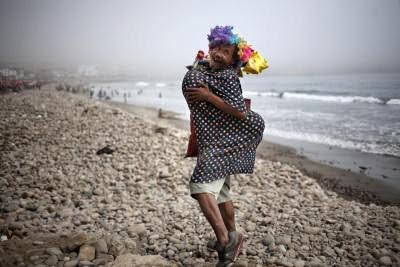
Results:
103 93
108 94
75 89
19 85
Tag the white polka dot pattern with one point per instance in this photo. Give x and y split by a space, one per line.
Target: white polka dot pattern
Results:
227 145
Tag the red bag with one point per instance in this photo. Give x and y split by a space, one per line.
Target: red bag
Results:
192 150
192 146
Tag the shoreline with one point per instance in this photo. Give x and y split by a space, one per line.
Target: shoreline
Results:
342 181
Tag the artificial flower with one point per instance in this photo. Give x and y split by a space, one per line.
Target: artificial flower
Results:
255 64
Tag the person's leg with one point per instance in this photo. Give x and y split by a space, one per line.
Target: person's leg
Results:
210 209
228 254
228 215
225 205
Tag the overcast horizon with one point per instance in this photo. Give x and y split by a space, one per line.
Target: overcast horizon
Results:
160 37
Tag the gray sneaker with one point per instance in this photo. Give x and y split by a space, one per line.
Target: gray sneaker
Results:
227 255
212 245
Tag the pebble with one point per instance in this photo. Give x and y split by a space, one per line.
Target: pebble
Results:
317 263
164 173
54 251
86 253
136 229
32 207
250 226
52 260
10 207
285 263
385 260
285 240
84 263
282 248
174 240
251 252
269 240
99 261
170 253
34 258
311 230
299 263
328 252
101 246
38 243
72 263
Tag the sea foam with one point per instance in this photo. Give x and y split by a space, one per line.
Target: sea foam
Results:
325 98
141 84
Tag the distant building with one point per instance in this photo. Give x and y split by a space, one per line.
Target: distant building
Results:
30 75
20 73
88 71
12 73
57 74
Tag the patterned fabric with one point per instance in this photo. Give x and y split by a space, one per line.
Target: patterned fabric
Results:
227 145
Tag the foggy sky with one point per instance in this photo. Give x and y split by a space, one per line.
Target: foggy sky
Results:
309 36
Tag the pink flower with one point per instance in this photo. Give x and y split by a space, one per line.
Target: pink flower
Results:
246 53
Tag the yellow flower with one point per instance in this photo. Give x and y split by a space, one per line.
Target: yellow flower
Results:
255 64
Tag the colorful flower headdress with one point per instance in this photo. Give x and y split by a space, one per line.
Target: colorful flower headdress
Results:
250 61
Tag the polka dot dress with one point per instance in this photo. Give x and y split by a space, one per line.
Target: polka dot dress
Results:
227 145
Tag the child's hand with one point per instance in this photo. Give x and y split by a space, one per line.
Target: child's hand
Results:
201 93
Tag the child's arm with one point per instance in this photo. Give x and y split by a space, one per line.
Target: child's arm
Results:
204 94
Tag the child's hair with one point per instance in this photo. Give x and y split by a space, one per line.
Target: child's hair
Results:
223 35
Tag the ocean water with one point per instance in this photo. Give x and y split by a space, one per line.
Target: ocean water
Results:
357 112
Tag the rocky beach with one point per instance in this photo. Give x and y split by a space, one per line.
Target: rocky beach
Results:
85 183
